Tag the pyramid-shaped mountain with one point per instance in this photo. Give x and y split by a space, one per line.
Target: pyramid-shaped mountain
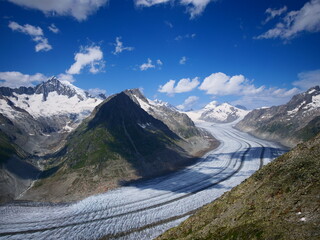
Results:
119 142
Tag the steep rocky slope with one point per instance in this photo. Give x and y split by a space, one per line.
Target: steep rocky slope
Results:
280 201
178 122
289 124
119 142
39 118
16 173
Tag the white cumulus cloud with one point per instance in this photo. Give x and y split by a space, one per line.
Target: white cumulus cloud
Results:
188 103
66 77
95 92
186 36
91 56
35 33
222 84
273 12
194 7
159 62
169 24
184 85
79 9
268 97
53 28
307 19
18 79
308 79
119 48
249 95
147 65
149 3
183 60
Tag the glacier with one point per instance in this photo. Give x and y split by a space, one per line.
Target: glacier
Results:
145 210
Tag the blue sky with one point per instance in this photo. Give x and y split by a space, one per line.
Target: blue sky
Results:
185 52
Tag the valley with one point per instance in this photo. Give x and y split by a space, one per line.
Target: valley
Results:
159 120
145 210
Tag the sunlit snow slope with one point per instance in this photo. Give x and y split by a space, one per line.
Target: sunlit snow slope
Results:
147 209
217 113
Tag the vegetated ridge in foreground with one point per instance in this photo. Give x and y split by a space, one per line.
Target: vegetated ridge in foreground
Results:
289 124
119 142
280 201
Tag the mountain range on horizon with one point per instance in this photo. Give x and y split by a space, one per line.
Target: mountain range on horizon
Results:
92 138
290 123
160 120
70 130
39 118
60 144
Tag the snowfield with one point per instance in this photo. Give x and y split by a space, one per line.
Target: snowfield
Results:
147 209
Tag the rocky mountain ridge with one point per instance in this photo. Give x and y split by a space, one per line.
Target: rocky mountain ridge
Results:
39 118
119 142
178 122
290 123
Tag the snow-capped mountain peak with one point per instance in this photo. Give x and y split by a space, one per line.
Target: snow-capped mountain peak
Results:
161 103
222 113
211 105
46 112
53 97
147 104
218 113
61 88
305 102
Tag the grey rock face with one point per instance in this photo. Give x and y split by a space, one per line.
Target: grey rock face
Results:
291 123
178 122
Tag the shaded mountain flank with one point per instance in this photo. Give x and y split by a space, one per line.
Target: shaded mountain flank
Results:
280 201
16 173
119 142
289 124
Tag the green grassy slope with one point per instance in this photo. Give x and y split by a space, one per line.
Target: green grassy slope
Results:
280 201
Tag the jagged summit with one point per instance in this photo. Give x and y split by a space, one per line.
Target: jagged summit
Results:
304 101
177 122
134 91
53 84
44 112
60 87
136 95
